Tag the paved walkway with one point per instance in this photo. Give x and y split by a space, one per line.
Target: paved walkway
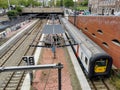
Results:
48 79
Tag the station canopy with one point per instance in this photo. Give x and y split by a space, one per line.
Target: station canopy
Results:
53 29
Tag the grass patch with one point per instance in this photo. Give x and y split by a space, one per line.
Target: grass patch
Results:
115 80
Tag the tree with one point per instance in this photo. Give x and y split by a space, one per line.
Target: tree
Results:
58 3
14 2
12 14
84 3
23 2
19 9
68 3
3 4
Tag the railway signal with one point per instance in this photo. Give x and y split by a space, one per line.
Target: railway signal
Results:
30 61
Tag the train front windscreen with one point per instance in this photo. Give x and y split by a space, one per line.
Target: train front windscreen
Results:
100 66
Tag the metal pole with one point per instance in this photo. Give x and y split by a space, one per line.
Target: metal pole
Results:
31 67
31 77
54 55
75 12
59 66
54 52
59 76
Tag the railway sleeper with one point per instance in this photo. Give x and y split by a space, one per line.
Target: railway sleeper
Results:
12 85
15 78
11 88
101 86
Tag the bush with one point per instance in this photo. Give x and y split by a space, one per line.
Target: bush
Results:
12 14
19 9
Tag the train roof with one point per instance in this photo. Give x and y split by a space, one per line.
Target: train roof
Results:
53 29
86 44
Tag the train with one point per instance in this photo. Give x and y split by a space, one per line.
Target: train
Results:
94 60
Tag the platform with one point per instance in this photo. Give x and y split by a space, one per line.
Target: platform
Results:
80 75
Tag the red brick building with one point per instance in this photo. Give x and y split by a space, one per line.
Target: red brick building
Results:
103 30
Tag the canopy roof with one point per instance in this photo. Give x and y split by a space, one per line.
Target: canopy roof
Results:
53 29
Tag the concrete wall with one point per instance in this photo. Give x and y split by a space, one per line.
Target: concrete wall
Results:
15 38
104 30
42 10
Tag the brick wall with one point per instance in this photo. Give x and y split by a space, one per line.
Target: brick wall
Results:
104 30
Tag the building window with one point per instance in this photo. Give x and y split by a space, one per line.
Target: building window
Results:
100 31
86 29
86 60
93 35
105 44
116 42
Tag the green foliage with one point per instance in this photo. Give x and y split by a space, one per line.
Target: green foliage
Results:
19 9
23 2
12 14
13 2
37 3
115 80
82 8
3 4
58 3
16 12
84 3
68 3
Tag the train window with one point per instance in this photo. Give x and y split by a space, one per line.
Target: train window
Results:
116 42
101 63
86 60
105 44
100 31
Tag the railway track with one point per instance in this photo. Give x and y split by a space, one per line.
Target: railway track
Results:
5 56
14 80
99 84
103 84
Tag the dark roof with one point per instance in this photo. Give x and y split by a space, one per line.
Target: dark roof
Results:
53 29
